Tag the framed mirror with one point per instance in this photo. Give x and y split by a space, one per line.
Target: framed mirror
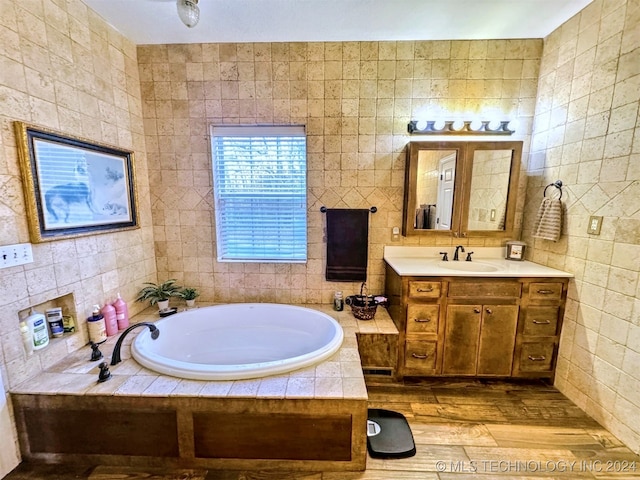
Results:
461 189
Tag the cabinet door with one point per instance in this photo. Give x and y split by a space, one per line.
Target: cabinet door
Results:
462 336
497 339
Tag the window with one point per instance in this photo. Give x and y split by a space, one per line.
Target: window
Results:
260 193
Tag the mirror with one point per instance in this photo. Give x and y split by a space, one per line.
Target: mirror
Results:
461 188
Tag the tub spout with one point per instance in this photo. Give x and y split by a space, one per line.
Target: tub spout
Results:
115 356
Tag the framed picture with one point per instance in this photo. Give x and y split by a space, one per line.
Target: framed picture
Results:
74 186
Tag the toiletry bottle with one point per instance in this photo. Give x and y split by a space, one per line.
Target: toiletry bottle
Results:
338 302
96 326
39 331
110 320
27 338
54 317
122 312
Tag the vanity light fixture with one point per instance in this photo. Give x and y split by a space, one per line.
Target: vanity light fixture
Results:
188 12
460 127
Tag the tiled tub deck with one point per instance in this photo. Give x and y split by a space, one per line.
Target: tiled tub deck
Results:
309 419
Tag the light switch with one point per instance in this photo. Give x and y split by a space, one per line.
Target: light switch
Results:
595 224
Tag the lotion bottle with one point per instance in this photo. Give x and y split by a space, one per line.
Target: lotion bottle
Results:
96 326
39 331
122 313
110 320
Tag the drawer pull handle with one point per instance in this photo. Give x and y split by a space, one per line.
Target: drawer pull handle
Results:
541 322
545 292
424 290
422 320
540 358
420 357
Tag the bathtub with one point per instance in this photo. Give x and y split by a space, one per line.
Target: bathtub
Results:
238 341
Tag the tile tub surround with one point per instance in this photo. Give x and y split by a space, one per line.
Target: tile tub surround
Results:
333 389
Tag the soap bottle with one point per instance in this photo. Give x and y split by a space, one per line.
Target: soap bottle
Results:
122 313
96 326
39 331
110 320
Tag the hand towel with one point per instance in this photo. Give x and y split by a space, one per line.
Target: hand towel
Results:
548 225
347 245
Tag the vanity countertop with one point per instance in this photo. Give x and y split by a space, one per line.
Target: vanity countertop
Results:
486 262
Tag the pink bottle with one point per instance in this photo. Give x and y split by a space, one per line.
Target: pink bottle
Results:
110 320
122 313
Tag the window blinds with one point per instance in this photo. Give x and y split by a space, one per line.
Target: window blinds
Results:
260 193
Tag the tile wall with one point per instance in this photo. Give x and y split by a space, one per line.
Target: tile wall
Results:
585 133
63 68
355 98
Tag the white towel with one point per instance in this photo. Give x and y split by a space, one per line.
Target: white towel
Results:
549 220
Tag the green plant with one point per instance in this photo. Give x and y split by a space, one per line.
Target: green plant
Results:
158 292
189 293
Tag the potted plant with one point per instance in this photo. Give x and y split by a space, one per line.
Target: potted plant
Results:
190 295
159 293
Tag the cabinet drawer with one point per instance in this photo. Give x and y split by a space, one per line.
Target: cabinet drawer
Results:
545 291
541 321
478 289
424 289
537 357
422 318
420 355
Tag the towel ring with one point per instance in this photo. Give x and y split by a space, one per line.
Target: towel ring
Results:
557 184
323 209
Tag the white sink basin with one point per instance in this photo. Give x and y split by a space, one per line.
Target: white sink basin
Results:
468 266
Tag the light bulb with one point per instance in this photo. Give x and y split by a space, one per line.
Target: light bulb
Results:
421 125
457 125
475 125
188 12
439 125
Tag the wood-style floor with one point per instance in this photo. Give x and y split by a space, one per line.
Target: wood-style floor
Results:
483 429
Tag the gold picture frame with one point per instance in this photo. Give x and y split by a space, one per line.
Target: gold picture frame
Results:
74 186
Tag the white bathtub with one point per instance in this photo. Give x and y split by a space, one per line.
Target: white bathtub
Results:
238 341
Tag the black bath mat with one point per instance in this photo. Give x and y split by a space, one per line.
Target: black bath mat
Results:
389 435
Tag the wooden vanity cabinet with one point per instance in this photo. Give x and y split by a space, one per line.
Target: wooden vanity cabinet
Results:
478 327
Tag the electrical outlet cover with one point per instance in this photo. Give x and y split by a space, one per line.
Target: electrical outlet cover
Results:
594 226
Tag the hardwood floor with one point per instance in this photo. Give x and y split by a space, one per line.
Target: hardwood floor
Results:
462 429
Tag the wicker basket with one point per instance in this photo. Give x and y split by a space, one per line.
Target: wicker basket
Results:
363 307
364 313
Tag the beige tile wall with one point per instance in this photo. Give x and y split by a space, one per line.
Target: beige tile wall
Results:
355 99
63 68
586 134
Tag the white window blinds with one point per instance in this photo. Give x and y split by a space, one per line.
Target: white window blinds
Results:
260 193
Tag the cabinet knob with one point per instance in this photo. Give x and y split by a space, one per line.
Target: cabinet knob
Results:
425 290
420 357
489 311
540 358
541 322
545 292
476 310
422 320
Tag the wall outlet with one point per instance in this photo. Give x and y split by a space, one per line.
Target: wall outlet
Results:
595 224
12 255
395 234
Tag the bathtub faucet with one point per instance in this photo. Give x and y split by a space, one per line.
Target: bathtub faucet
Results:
115 356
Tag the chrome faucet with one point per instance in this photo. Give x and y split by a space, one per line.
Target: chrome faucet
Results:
455 255
115 356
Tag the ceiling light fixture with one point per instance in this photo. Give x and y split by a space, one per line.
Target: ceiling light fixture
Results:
188 12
